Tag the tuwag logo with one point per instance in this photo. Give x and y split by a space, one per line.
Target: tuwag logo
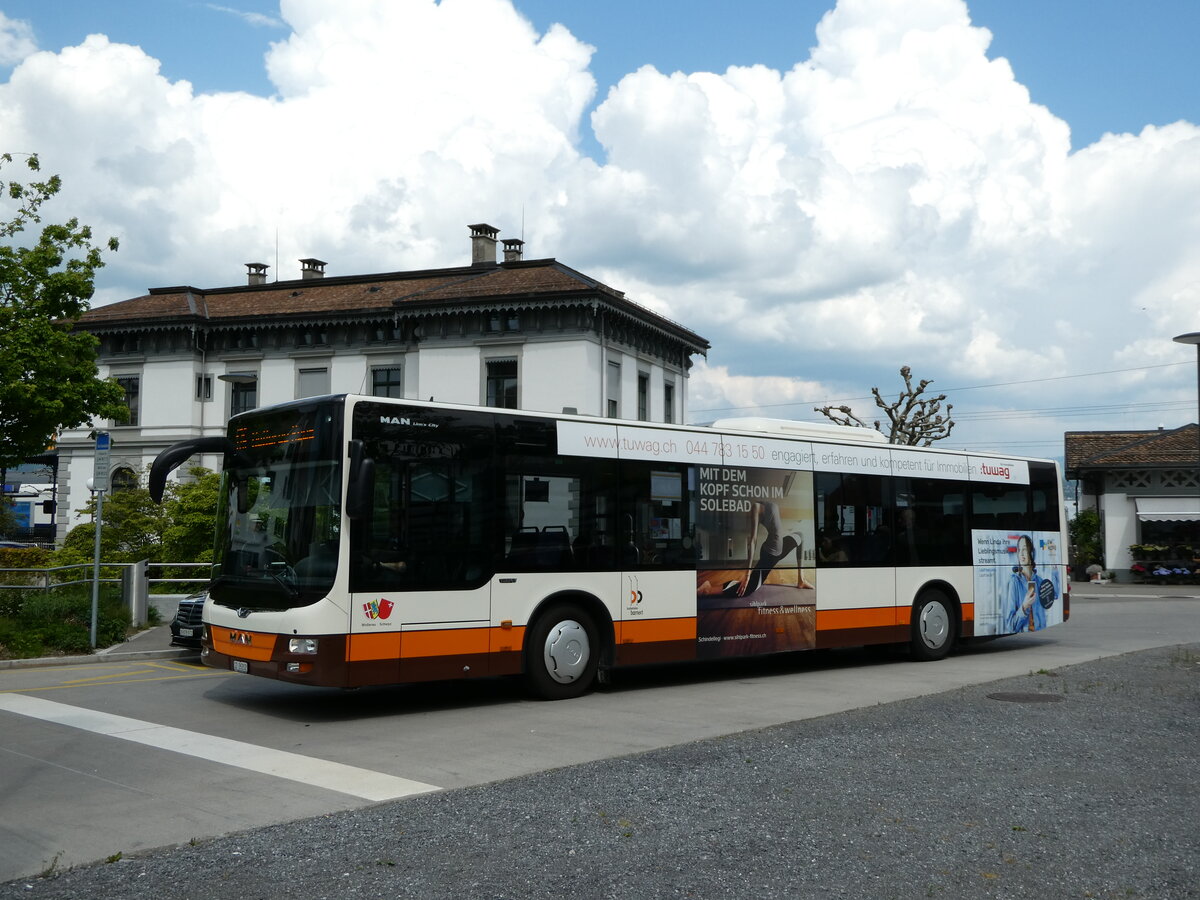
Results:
378 609
996 471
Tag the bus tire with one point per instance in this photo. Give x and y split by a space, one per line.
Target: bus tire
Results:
562 653
934 626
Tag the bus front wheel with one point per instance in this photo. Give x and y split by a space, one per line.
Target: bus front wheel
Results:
561 655
933 626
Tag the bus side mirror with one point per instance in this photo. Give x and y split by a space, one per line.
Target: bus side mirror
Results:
175 455
360 493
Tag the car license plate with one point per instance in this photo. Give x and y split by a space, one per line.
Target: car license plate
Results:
186 632
241 666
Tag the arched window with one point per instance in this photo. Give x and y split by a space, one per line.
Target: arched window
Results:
124 479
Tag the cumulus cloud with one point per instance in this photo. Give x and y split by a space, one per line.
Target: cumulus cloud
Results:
16 40
894 197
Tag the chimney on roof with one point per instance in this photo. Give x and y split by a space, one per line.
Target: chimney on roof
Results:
512 249
256 273
483 244
312 268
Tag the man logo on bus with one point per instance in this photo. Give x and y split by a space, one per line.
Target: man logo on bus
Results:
405 420
378 609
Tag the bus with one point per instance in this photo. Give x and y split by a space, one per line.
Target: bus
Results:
365 541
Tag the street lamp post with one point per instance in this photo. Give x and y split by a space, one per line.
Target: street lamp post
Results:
1194 338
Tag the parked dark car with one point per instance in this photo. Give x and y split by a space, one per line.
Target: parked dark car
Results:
188 625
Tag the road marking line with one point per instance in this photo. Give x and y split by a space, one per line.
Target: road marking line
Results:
100 679
73 686
332 776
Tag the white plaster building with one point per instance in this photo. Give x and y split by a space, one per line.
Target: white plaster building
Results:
1146 487
528 334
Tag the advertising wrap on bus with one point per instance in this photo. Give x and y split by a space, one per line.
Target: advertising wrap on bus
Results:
1018 581
609 441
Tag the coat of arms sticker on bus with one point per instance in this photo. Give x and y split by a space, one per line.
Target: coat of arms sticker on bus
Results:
378 609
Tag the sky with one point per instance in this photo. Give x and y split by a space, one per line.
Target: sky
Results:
1002 194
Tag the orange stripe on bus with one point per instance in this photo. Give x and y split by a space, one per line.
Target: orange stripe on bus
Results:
374 646
645 631
444 642
833 619
242 644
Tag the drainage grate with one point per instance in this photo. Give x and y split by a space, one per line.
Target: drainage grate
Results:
1027 697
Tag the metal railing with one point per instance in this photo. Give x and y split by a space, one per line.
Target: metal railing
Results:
134 579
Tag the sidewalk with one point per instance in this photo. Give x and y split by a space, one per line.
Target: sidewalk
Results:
1087 590
153 643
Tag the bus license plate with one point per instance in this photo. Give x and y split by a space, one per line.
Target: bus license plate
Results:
241 666
186 632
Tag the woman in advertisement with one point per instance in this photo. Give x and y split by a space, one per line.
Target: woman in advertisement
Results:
775 547
1029 594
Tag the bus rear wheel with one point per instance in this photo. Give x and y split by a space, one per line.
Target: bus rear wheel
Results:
934 625
562 653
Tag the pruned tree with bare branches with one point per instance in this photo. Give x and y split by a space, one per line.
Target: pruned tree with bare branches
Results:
913 418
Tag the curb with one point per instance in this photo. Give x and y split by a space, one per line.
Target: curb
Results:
116 653
102 656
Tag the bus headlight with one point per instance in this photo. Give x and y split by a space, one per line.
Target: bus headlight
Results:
302 645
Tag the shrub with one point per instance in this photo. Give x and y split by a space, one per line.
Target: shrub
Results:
41 623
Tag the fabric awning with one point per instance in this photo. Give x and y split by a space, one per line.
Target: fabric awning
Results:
1168 509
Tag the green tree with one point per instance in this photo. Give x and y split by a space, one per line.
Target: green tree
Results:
180 529
192 510
1085 538
48 375
912 418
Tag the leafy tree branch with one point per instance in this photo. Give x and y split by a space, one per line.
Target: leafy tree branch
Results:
48 378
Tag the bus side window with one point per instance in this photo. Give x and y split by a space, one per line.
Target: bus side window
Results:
854 519
930 523
999 507
657 518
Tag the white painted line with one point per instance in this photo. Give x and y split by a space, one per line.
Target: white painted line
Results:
321 773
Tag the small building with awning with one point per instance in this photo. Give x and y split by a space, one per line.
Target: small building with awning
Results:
1146 487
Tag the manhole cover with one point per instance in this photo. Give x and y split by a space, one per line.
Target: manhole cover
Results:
1026 697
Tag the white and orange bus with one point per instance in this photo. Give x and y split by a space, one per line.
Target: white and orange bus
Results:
364 540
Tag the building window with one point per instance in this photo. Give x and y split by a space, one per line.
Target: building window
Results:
203 387
131 384
384 332
312 337
126 343
614 390
123 479
387 381
502 321
312 382
669 402
243 396
643 397
502 383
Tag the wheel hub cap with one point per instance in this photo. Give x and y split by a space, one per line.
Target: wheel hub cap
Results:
567 651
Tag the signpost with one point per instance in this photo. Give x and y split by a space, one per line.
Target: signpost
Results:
99 485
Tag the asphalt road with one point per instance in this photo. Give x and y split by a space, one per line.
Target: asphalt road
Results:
122 757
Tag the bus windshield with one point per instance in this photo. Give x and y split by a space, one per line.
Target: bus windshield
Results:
279 514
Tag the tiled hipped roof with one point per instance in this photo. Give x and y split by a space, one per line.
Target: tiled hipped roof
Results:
1128 449
513 284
